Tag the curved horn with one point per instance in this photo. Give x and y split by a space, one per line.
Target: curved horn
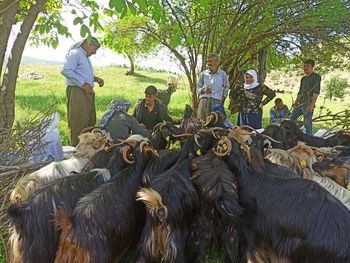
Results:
196 136
143 144
124 151
181 135
224 147
247 126
271 139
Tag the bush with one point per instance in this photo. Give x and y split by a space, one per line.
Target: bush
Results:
336 87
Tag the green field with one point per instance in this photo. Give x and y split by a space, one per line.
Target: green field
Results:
33 96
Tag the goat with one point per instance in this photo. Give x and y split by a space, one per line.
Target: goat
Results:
278 133
171 201
294 134
292 218
215 119
301 158
89 144
107 216
165 95
31 227
218 194
189 123
164 134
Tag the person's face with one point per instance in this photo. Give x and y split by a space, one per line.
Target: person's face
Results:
249 79
90 49
279 105
150 99
213 64
308 68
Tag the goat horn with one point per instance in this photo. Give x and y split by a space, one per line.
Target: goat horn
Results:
148 148
124 151
223 143
196 136
271 139
181 135
247 126
143 144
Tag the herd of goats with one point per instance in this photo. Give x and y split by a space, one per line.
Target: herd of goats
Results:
277 196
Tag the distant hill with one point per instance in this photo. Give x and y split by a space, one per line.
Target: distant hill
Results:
37 61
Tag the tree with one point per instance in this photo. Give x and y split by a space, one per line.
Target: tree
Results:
45 15
336 87
123 36
239 30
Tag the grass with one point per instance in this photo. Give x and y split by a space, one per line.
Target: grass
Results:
33 96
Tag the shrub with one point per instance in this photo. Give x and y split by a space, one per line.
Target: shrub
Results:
336 87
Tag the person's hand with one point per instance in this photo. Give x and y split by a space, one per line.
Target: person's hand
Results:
310 108
207 90
99 81
87 88
261 106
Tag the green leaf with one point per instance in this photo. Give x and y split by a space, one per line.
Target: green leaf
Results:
84 30
77 20
74 12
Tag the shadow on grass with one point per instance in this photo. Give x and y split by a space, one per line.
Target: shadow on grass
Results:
148 80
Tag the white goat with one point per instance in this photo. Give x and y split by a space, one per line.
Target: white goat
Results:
89 144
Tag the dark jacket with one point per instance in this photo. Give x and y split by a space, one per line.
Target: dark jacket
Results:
250 100
162 114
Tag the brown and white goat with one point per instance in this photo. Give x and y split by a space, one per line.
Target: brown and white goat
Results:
89 144
105 222
172 202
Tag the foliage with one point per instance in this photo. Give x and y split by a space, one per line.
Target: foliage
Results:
336 87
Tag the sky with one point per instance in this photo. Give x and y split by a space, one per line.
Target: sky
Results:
103 56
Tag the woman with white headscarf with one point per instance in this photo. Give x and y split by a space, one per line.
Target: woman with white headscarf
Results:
249 97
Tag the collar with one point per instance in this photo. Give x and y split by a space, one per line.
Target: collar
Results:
83 50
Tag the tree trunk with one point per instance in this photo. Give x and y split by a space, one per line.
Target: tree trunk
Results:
132 65
262 65
8 86
8 11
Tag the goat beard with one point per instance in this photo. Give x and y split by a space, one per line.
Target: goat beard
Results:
256 161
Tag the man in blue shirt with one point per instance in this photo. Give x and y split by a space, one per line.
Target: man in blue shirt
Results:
78 70
212 87
279 111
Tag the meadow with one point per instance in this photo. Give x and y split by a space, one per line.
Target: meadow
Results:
33 96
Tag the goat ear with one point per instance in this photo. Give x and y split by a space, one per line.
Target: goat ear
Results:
318 153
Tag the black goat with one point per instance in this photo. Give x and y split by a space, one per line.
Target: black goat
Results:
292 218
215 119
172 203
164 134
105 222
189 123
278 133
31 221
219 208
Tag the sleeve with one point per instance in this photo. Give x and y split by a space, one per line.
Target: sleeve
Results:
200 83
269 93
317 84
69 66
136 128
273 116
226 85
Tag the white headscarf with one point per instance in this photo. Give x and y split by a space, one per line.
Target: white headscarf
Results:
253 73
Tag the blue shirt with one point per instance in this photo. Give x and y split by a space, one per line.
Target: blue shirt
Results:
218 82
276 115
77 68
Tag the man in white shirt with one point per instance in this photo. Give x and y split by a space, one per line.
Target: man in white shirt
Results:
80 80
212 86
